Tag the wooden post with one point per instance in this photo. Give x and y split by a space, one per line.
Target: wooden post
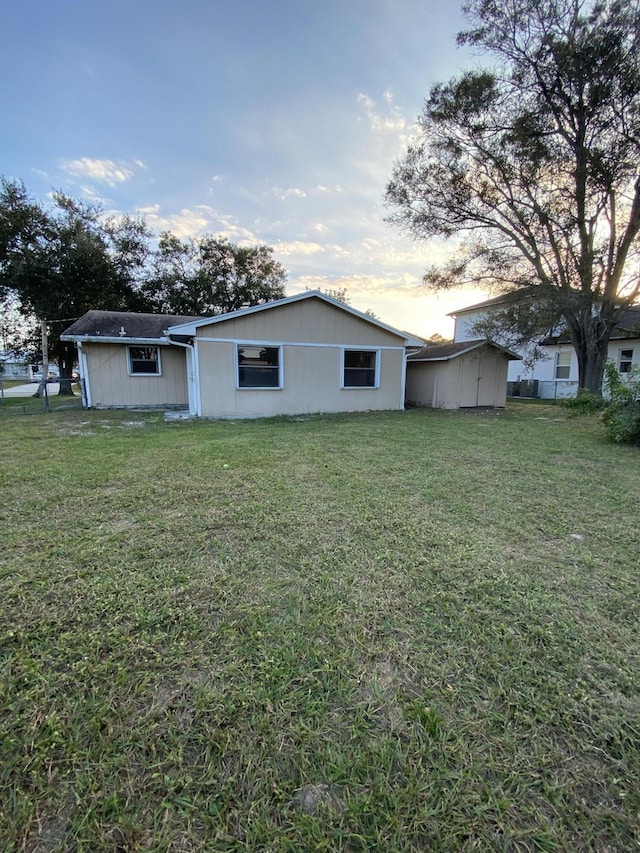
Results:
45 365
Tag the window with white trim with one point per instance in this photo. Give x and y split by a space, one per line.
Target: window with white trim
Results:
625 360
563 364
144 361
360 368
258 366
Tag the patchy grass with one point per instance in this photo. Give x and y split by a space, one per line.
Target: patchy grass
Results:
394 632
11 407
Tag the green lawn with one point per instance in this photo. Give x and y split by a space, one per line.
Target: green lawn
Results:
390 632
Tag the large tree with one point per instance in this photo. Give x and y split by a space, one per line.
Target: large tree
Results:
210 275
57 263
534 165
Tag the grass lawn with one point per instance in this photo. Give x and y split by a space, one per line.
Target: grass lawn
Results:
390 632
11 407
14 383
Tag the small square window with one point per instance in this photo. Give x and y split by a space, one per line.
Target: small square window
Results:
144 361
360 368
625 360
258 367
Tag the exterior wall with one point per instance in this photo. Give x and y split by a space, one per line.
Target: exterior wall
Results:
111 385
423 379
478 378
463 330
307 321
311 382
435 384
550 388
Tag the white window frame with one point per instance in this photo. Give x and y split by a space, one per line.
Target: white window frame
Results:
628 361
157 372
376 384
558 366
270 345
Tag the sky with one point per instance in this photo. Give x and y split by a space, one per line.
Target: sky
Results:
265 121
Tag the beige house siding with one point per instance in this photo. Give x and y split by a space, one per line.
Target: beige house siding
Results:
307 321
478 378
311 381
111 385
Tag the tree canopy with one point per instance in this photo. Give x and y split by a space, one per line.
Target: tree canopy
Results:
57 263
534 165
60 261
209 275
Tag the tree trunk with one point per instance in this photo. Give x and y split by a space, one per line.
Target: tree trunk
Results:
66 358
592 349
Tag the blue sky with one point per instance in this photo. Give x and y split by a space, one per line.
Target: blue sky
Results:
271 122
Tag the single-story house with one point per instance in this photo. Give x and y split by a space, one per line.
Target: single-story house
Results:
301 354
14 366
465 374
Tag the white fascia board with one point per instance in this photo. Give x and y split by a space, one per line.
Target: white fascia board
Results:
116 339
190 328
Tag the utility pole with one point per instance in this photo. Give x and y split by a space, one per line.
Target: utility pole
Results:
45 365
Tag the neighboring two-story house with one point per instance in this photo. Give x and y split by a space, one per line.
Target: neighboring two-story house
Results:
555 374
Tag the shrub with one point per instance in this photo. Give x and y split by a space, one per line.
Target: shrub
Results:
584 403
621 415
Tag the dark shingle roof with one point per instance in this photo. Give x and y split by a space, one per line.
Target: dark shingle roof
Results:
109 324
443 352
628 326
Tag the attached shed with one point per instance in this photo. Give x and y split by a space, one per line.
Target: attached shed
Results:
463 375
126 360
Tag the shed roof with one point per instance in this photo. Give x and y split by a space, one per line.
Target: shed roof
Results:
445 352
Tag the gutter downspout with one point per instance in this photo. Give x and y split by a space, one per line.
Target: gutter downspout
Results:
403 383
192 377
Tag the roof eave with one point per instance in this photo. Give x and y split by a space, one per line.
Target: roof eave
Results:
117 339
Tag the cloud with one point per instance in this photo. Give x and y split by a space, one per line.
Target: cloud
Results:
283 194
196 221
298 247
102 171
389 119
93 195
185 223
320 189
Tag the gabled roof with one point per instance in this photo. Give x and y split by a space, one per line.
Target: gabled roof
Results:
445 352
189 328
513 296
123 325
